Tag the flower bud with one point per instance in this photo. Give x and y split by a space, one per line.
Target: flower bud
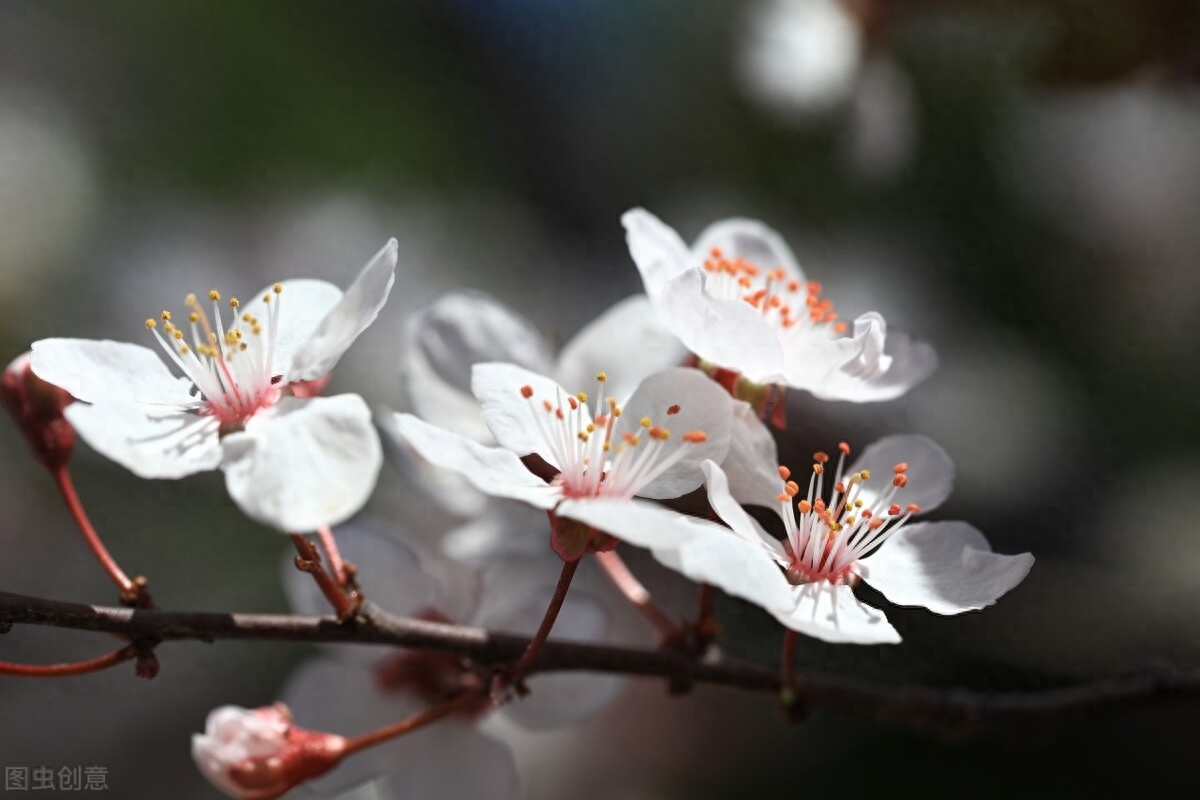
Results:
257 754
37 408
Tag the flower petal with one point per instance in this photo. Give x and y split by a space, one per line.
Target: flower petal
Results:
352 315
740 567
656 248
749 239
515 601
741 523
947 567
638 522
94 370
492 470
628 341
302 305
930 470
516 421
445 340
728 333
752 464
909 362
834 614
305 463
699 404
449 759
816 359
150 441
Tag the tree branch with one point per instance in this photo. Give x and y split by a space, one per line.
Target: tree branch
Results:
944 711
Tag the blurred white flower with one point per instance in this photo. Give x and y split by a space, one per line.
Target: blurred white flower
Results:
361 688
738 299
289 461
800 57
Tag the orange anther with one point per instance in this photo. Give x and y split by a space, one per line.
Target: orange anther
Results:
804 506
894 510
792 488
695 437
814 287
840 327
913 508
573 402
818 469
781 498
793 285
867 513
546 404
845 448
901 467
672 411
602 420
820 456
900 480
656 432
784 473
716 252
558 412
527 391
875 524
839 487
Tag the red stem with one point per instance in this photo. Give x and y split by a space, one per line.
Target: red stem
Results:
71 668
410 724
62 477
331 551
309 561
635 592
543 632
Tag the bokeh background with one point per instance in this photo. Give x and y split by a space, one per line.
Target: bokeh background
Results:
1017 183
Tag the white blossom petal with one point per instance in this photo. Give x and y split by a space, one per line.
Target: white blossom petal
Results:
702 406
516 598
740 567
752 464
514 420
443 342
302 305
742 524
493 470
728 333
304 463
834 614
930 470
449 759
816 360
150 441
94 370
656 248
750 239
946 567
628 341
352 315
909 362
638 522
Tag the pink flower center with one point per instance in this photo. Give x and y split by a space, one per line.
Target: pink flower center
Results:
792 305
231 367
599 451
826 539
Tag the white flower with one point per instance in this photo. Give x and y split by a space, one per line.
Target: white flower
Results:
363 687
739 300
861 531
257 754
294 463
605 454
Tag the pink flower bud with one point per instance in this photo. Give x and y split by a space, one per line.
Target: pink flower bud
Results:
257 754
37 407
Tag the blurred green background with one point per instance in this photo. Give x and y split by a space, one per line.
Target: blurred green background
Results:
1017 183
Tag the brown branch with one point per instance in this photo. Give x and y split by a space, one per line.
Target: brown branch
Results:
946 711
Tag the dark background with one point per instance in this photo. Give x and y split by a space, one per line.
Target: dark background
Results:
1017 183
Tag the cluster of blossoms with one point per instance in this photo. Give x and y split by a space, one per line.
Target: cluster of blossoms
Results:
724 326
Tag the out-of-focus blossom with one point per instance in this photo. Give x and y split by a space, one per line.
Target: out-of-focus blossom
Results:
293 463
800 57
367 687
604 454
739 300
258 754
861 532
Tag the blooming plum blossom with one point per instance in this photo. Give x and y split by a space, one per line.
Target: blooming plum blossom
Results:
245 403
357 688
738 299
606 453
863 531
258 754
445 340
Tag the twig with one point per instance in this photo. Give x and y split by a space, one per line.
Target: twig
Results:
945 711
